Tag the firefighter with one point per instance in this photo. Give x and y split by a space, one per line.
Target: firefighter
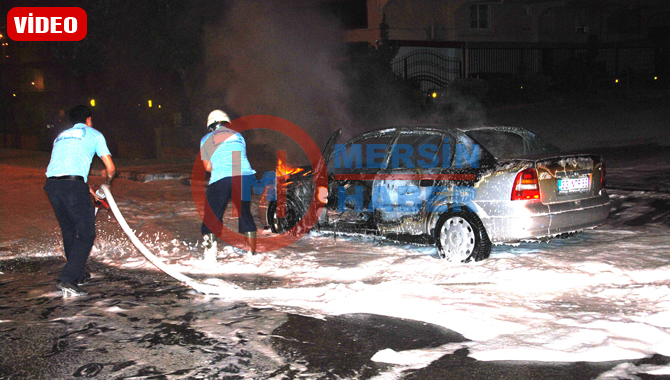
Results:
68 192
218 153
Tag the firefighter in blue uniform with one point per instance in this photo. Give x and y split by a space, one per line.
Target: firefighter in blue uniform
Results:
68 192
217 150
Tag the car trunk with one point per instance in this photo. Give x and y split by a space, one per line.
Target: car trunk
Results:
569 177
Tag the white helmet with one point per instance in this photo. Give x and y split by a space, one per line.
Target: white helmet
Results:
216 116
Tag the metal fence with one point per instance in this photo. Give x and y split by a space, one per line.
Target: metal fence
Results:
429 68
530 61
508 61
432 69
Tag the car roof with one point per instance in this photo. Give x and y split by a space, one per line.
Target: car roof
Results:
502 128
441 128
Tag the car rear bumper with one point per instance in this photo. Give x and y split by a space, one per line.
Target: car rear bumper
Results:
513 221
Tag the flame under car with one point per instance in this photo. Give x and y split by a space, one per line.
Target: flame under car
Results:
462 190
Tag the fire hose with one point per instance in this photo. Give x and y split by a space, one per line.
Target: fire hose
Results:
167 269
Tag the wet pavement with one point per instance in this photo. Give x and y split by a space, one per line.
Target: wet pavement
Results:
139 324
143 325
132 325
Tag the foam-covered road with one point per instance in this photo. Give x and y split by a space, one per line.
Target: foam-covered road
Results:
594 305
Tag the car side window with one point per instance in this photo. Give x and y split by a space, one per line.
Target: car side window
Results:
369 154
419 150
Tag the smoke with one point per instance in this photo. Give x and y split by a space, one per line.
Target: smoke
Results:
286 58
277 58
457 110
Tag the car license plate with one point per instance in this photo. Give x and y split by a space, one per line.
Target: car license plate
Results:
573 185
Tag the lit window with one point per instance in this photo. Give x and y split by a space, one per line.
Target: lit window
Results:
480 16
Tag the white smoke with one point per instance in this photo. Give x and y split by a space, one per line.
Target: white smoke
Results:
278 58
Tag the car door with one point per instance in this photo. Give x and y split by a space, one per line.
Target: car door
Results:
416 158
352 169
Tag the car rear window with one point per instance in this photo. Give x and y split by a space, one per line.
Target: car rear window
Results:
499 143
508 144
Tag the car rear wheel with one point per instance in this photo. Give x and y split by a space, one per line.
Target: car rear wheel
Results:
461 237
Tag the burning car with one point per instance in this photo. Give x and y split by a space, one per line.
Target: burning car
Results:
460 189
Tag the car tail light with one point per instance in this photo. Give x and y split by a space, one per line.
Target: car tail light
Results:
603 182
526 186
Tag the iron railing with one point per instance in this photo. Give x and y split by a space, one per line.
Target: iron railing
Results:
531 61
427 67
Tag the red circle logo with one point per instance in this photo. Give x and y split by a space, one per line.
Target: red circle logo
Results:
265 244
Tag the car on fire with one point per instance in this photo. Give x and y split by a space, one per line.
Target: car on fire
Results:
461 189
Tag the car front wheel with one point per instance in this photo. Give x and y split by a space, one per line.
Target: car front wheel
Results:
280 225
461 237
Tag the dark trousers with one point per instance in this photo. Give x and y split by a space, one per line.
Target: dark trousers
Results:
219 194
74 210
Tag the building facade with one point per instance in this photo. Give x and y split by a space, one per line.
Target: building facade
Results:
522 37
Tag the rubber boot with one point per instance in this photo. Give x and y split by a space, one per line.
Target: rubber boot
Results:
250 238
209 243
